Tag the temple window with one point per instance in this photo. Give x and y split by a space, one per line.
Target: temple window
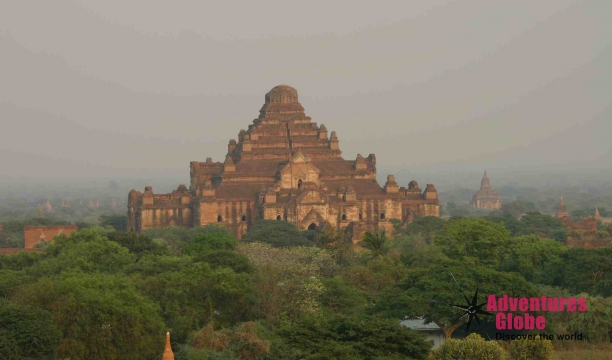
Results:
343 216
382 215
360 216
299 183
219 218
243 218
278 217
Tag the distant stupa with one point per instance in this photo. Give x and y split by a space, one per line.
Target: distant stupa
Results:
48 206
561 210
168 354
486 198
597 215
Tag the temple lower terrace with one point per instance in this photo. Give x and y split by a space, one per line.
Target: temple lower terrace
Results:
284 167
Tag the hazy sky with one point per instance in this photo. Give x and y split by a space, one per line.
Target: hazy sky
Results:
135 88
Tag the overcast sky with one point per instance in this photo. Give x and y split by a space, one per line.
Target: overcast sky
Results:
138 88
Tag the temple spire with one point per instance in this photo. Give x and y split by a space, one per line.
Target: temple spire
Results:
485 182
168 354
561 209
597 215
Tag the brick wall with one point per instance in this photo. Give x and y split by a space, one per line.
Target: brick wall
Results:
35 234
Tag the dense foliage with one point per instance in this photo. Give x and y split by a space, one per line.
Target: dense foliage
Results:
284 294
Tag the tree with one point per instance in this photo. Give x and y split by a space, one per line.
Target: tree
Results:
241 342
457 211
138 244
431 291
101 316
117 222
427 226
340 298
518 207
538 260
474 237
85 250
276 233
225 258
585 269
27 333
595 323
374 276
376 244
472 347
543 225
287 280
10 280
196 294
209 241
353 337
535 349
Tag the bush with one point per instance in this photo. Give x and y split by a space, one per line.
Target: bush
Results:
473 347
531 349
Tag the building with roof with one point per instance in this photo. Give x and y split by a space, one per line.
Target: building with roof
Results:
433 331
284 167
486 198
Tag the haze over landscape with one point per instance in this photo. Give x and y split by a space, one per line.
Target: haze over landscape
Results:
284 180
435 89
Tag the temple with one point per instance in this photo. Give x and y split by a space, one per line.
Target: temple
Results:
284 167
486 198
589 224
561 210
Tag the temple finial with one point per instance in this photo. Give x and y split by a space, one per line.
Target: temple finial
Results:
168 354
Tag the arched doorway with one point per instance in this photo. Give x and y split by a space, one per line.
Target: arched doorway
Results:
219 218
278 217
243 218
382 215
343 216
299 184
312 226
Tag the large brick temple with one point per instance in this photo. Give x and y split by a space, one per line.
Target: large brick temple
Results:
284 167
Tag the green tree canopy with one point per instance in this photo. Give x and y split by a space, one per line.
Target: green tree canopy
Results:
27 333
474 237
276 233
538 260
116 221
101 316
345 337
204 242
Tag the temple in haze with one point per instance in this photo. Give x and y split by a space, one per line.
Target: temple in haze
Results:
284 167
589 224
486 198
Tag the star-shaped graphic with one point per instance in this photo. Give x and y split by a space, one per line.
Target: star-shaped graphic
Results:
472 310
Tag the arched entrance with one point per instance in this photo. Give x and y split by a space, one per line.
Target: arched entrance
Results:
312 226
